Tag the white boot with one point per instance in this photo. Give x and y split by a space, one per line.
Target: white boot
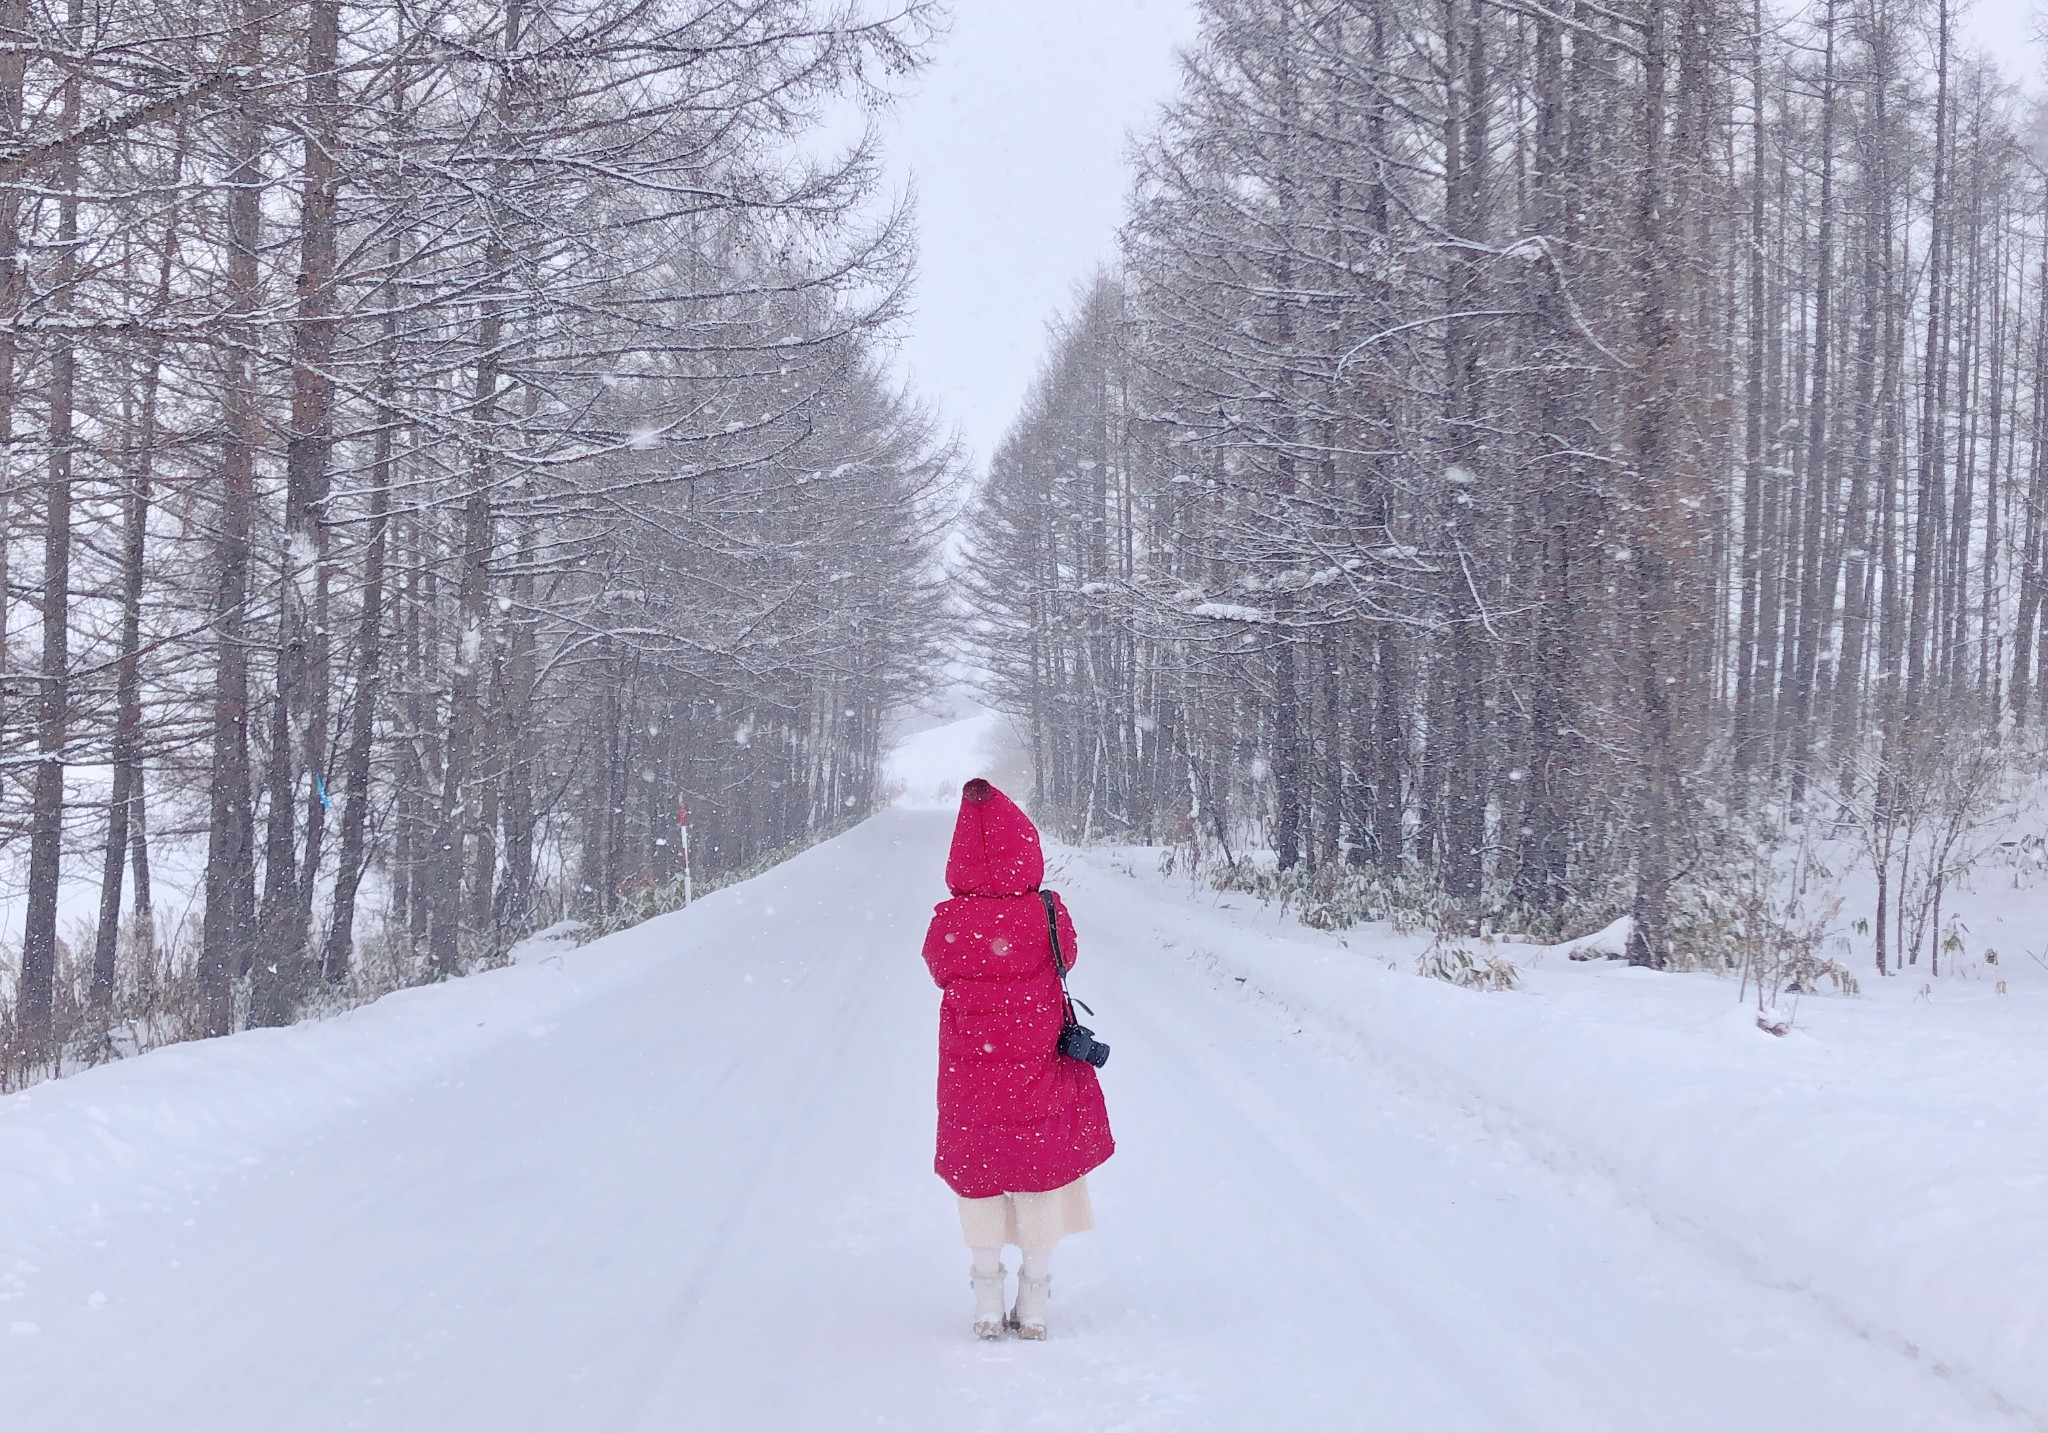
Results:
1028 1318
988 1301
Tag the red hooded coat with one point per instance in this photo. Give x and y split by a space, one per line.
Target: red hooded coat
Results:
1014 1114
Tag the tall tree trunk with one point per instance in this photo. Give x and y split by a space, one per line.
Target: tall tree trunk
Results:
1816 586
15 44
310 441
127 708
1559 538
369 669
1659 550
127 836
53 691
227 935
352 859
1747 727
456 812
1922 572
298 726
515 898
53 714
2030 595
1463 708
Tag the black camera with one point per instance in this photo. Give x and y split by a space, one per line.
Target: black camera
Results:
1078 1042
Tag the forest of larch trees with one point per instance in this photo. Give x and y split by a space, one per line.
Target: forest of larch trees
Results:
1534 460
440 438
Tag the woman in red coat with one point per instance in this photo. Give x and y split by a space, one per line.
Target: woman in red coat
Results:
1020 1124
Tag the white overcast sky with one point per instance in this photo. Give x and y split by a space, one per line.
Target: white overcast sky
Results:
2006 28
1015 138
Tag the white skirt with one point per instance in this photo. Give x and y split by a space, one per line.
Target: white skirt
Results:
1027 1220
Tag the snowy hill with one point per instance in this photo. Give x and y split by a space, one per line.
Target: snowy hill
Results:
680 1178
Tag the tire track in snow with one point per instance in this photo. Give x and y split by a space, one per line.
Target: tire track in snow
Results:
807 1063
1388 1270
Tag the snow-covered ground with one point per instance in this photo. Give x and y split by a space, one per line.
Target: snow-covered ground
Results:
680 1179
931 763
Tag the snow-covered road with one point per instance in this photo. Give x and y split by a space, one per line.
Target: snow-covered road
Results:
680 1180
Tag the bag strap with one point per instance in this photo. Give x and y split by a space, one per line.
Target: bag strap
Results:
1059 958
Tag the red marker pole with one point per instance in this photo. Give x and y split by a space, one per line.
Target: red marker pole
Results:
683 820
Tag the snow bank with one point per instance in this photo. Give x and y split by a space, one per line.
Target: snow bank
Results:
929 767
1610 942
1886 1160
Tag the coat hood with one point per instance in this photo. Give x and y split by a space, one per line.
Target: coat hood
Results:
995 846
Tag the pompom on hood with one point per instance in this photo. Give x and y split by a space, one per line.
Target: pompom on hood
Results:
995 846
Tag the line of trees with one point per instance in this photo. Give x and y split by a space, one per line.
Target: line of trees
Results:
1524 441
438 438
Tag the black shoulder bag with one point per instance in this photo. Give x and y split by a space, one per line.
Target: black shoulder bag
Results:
1077 1041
